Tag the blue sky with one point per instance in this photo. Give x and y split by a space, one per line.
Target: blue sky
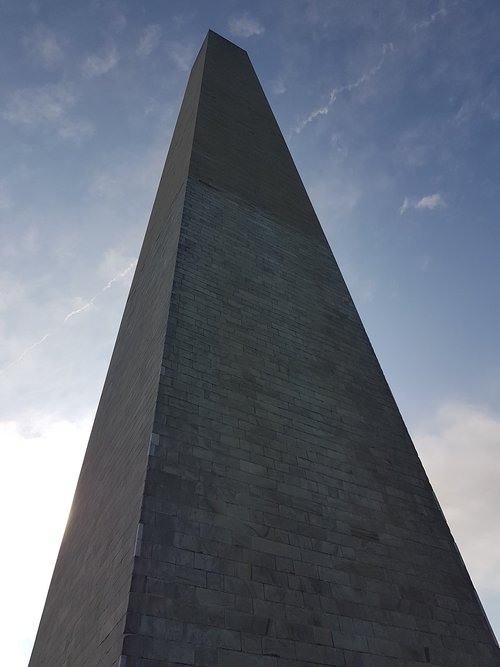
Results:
392 113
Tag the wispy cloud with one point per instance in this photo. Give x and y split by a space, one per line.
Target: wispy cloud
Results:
426 23
44 46
415 146
182 54
244 26
118 277
34 106
404 206
429 202
47 106
81 309
481 104
132 177
335 92
88 304
118 22
334 199
97 65
149 40
112 264
278 87
25 352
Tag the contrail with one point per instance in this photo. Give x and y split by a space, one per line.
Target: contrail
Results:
90 302
121 275
71 314
322 111
80 310
427 22
26 351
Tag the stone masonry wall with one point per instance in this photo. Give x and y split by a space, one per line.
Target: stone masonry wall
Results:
287 518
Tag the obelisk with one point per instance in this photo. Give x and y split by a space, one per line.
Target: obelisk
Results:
250 495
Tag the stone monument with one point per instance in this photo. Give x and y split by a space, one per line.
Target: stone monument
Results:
250 495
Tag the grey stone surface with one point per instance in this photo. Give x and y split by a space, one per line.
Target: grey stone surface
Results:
287 519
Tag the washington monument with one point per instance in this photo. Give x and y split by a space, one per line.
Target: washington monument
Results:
250 495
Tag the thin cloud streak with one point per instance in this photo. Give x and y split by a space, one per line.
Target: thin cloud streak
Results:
335 92
77 311
120 275
86 306
422 25
25 352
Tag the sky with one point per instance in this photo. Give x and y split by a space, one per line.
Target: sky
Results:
391 110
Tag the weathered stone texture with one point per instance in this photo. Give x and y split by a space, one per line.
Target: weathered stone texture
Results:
285 504
286 519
